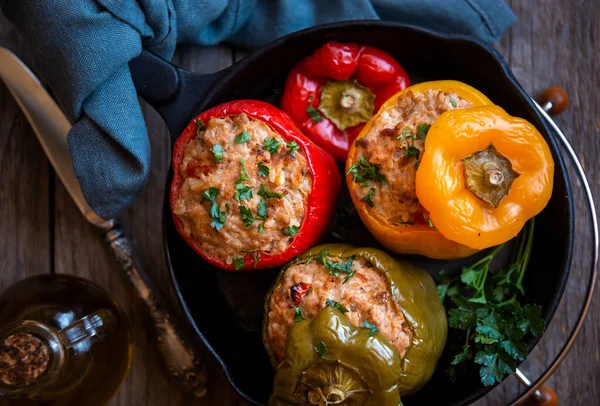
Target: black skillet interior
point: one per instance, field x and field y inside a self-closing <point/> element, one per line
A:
<point x="225" y="309"/>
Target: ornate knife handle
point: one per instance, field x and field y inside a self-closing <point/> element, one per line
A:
<point x="181" y="361"/>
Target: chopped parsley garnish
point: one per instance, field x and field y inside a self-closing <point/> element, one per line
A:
<point x="312" y="112"/>
<point x="372" y="327"/>
<point x="244" y="176"/>
<point x="452" y="102"/>
<point x="406" y="134"/>
<point x="484" y="304"/>
<point x="369" y="197"/>
<point x="262" y="192"/>
<point x="430" y="222"/>
<point x="422" y="130"/>
<point x="262" y="210"/>
<point x="242" y="192"/>
<point x="227" y="207"/>
<point x="336" y="305"/>
<point x="335" y="268"/>
<point x="299" y="317"/>
<point x="242" y="137"/>
<point x="292" y="147"/>
<point x="256" y="258"/>
<point x="200" y="126"/>
<point x="416" y="165"/>
<point x="263" y="170"/>
<point x="239" y="263"/>
<point x="321" y="349"/>
<point x="261" y="227"/>
<point x="290" y="231"/>
<point x="247" y="216"/>
<point x="271" y="145"/>
<point x="218" y="216"/>
<point x="363" y="171"/>
<point x="412" y="150"/>
<point x="217" y="151"/>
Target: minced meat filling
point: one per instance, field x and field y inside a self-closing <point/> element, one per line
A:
<point x="365" y="294"/>
<point x="388" y="156"/>
<point x="245" y="189"/>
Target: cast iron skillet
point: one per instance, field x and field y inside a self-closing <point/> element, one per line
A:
<point x="225" y="309"/>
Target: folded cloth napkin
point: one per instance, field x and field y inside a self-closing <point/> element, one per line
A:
<point x="81" y="49"/>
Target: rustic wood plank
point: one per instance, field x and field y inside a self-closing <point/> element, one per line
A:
<point x="25" y="185"/>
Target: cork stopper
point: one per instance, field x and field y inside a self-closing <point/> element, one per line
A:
<point x="23" y="359"/>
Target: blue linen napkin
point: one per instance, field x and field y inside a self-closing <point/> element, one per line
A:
<point x="81" y="49"/>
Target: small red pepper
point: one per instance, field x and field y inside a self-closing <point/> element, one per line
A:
<point x="332" y="93"/>
<point x="298" y="291"/>
<point x="324" y="173"/>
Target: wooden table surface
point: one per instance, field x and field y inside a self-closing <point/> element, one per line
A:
<point x="554" y="42"/>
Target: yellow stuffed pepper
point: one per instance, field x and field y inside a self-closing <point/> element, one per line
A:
<point x="484" y="173"/>
<point x="383" y="162"/>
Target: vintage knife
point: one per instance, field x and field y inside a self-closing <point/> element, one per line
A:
<point x="51" y="127"/>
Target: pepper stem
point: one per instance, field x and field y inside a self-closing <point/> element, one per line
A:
<point x="346" y="103"/>
<point x="331" y="383"/>
<point x="489" y="175"/>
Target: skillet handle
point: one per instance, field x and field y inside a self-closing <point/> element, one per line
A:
<point x="155" y="79"/>
<point x="178" y="95"/>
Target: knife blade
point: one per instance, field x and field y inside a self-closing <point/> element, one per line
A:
<point x="49" y="124"/>
<point x="51" y="127"/>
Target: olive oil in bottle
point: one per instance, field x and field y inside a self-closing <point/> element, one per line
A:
<point x="63" y="341"/>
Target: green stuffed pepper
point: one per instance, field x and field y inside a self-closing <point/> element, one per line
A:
<point x="371" y="289"/>
<point x="329" y="361"/>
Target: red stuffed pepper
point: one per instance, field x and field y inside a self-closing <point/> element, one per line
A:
<point x="332" y="93"/>
<point x="250" y="191"/>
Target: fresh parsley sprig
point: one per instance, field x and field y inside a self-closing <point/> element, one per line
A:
<point x="485" y="304"/>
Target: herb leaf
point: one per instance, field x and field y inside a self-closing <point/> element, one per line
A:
<point x="242" y="137"/>
<point x="262" y="192"/>
<point x="369" y="197"/>
<point x="263" y="170"/>
<point x="412" y="151"/>
<point x="363" y="171"/>
<point x="200" y="127"/>
<point x="422" y="130"/>
<point x="312" y="112"/>
<point x="239" y="263"/>
<point x="218" y="216"/>
<point x="262" y="210"/>
<point x="271" y="145"/>
<point x="244" y="176"/>
<point x="217" y="151"/>
<point x="299" y="317"/>
<point x="405" y="134"/>
<point x="242" y="192"/>
<point x="452" y="102"/>
<point x="247" y="216"/>
<point x="292" y="147"/>
<point x="372" y="327"/>
<point x="321" y="349"/>
<point x="290" y="231"/>
<point x="336" y="305"/>
<point x="256" y="256"/>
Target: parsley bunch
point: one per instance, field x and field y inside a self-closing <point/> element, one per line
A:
<point x="485" y="304"/>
